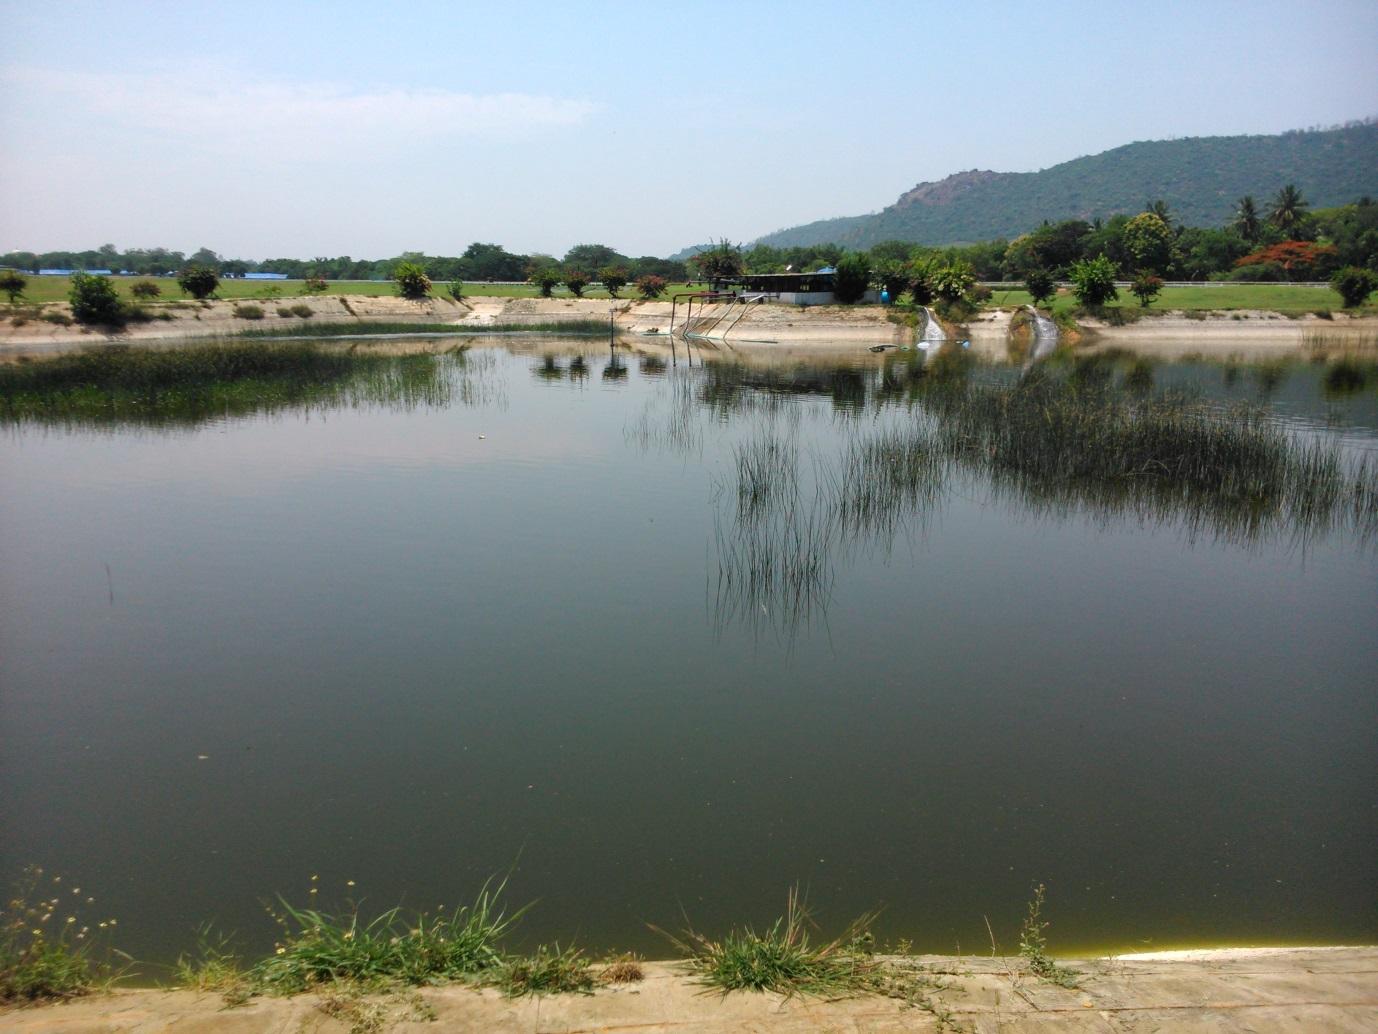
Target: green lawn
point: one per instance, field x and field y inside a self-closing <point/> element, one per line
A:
<point x="1272" y="297"/>
<point x="42" y="289"/>
<point x="1285" y="298"/>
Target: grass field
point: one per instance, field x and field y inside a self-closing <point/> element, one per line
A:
<point x="1286" y="298"/>
<point x="42" y="289"/>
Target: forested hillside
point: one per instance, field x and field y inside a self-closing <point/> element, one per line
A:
<point x="1200" y="178"/>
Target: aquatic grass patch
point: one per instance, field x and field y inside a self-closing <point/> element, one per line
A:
<point x="49" y="949"/>
<point x="782" y="958"/>
<point x="549" y="969"/>
<point x="363" y="328"/>
<point x="391" y="947"/>
<point x="108" y="385"/>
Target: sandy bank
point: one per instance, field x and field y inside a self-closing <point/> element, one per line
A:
<point x="1219" y="992"/>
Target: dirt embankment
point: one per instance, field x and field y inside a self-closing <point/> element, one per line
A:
<point x="763" y="325"/>
<point x="1209" y="992"/>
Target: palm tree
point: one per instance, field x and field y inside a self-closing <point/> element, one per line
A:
<point x="1288" y="210"/>
<point x="1246" y="219"/>
<point x="1160" y="209"/>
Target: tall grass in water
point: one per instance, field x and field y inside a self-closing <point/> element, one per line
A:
<point x="1055" y="444"/>
<point x="375" y="328"/>
<point x="151" y="386"/>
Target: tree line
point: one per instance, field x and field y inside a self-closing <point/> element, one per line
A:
<point x="479" y="262"/>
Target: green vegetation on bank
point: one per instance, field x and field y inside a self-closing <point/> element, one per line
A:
<point x="365" y="968"/>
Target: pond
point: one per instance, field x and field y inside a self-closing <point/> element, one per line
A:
<point x="643" y="633"/>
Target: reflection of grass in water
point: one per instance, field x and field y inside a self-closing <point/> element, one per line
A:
<point x="186" y="386"/>
<point x="671" y="424"/>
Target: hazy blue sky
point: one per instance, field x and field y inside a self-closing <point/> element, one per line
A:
<point x="300" y="129"/>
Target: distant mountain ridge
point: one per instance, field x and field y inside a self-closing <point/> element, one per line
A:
<point x="1200" y="178"/>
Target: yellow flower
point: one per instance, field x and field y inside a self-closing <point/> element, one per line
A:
<point x="282" y="951"/>
<point x="349" y="883"/>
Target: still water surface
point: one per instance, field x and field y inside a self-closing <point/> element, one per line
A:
<point x="415" y="645"/>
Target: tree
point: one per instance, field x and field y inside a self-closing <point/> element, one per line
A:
<point x="592" y="256"/>
<point x="614" y="278"/>
<point x="650" y="286"/>
<point x="412" y="281"/>
<point x="94" y="301"/>
<point x="145" y="290"/>
<point x="721" y="261"/>
<point x="491" y="262"/>
<point x="893" y="275"/>
<point x="1298" y="259"/>
<point x="198" y="281"/>
<point x="1354" y="285"/>
<point x="921" y="272"/>
<point x="1246" y="221"/>
<point x="852" y="278"/>
<point x="1148" y="240"/>
<point x="315" y="285"/>
<point x="1160" y="209"/>
<point x="205" y="257"/>
<point x="1040" y="285"/>
<point x="1146" y="287"/>
<point x="1288" y="210"/>
<point x="457" y="290"/>
<point x="546" y="278"/>
<point x="576" y="282"/>
<point x="953" y="279"/>
<point x="13" y="283"/>
<point x="1094" y="281"/>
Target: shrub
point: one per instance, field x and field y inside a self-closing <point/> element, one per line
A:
<point x="1093" y="281"/>
<point x="304" y="311"/>
<point x="315" y="285"/>
<point x="198" y="281"/>
<point x="145" y="289"/>
<point x="59" y="318"/>
<point x="248" y="312"/>
<point x="614" y="278"/>
<point x="952" y="281"/>
<point x="1146" y="287"/>
<point x="576" y="282"/>
<point x="1354" y="285"/>
<point x="650" y="286"/>
<point x="546" y="279"/>
<point x="852" y="278"/>
<point x="979" y="294"/>
<point x="1259" y="273"/>
<point x="457" y="290"/>
<point x="285" y="311"/>
<point x="1040" y="285"/>
<point x="412" y="281"/>
<point x="94" y="301"/>
<point x="12" y="283"/>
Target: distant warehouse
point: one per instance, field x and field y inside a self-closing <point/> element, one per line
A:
<point x="265" y="276"/>
<point x="69" y="272"/>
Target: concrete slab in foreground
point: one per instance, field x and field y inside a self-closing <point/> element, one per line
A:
<point x="1304" y="990"/>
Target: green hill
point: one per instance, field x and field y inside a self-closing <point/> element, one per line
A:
<point x="1200" y="178"/>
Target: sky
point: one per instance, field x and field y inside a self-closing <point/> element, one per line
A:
<point x="301" y="129"/>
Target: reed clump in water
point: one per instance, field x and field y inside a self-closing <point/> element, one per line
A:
<point x="151" y="386"/>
